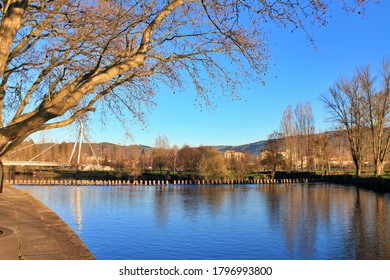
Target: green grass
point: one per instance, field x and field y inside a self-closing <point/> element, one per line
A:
<point x="386" y="175"/>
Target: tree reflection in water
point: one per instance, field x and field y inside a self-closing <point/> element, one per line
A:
<point x="313" y="215"/>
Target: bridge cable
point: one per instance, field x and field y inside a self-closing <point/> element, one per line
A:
<point x="46" y="149"/>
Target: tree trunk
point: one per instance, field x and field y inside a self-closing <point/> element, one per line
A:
<point x="273" y="172"/>
<point x="10" y="24"/>
<point x="1" y="176"/>
<point x="356" y="156"/>
<point x="378" y="168"/>
<point x="358" y="170"/>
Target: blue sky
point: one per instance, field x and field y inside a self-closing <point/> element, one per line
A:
<point x="298" y="72"/>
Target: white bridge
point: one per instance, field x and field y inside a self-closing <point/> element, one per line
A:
<point x="32" y="163"/>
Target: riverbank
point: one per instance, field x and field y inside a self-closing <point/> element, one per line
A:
<point x="152" y="182"/>
<point x="373" y="183"/>
<point x="29" y="230"/>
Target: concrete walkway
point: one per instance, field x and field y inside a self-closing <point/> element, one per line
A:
<point x="29" y="230"/>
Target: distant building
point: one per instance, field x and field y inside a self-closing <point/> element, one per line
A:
<point x="232" y="154"/>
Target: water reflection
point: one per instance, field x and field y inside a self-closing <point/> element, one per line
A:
<point x="298" y="221"/>
<point x="77" y="210"/>
<point x="313" y="217"/>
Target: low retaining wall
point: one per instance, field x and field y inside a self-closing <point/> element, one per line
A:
<point x="374" y="183"/>
<point x="150" y="182"/>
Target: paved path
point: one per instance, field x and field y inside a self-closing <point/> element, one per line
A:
<point x="29" y="230"/>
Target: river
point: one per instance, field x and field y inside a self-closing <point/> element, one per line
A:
<point x="293" y="221"/>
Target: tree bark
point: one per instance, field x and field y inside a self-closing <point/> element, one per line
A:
<point x="1" y="177"/>
<point x="358" y="169"/>
<point x="378" y="168"/>
<point x="10" y="24"/>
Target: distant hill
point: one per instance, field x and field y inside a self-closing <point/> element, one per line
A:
<point x="254" y="148"/>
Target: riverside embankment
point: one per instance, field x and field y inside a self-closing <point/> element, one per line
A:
<point x="374" y="183"/>
<point x="29" y="230"/>
<point x="153" y="182"/>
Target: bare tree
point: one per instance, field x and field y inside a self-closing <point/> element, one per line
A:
<point x="323" y="149"/>
<point x="288" y="130"/>
<point x="345" y="105"/>
<point x="174" y="155"/>
<point x="297" y="129"/>
<point x="377" y="111"/>
<point x="188" y="159"/>
<point x="272" y="156"/>
<point x="146" y="160"/>
<point x="305" y="130"/>
<point x="361" y="105"/>
<point x="162" y="142"/>
<point x="237" y="166"/>
<point x="161" y="152"/>
<point x="133" y="161"/>
<point x="60" y="59"/>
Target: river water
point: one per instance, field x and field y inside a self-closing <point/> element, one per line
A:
<point x="297" y="221"/>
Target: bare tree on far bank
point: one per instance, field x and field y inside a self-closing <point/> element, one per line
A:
<point x="297" y="130"/>
<point x="345" y="106"/>
<point x="361" y="106"/>
<point x="323" y="149"/>
<point x="161" y="152"/>
<point x="305" y="131"/>
<point x="376" y="91"/>
<point x="289" y="132"/>
<point x="272" y="156"/>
